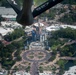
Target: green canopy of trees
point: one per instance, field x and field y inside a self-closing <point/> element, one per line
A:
<point x="65" y="33"/>
<point x="6" y="58"/>
<point x="69" y="2"/>
<point x="14" y="35"/>
<point x="69" y="18"/>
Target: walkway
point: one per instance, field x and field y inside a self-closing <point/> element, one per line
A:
<point x="46" y="57"/>
<point x="34" y="68"/>
<point x="68" y="58"/>
<point x="54" y="61"/>
<point x="68" y="43"/>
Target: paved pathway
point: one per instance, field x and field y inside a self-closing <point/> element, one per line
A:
<point x="47" y="56"/>
<point x="68" y="43"/>
<point x="68" y="58"/>
<point x="54" y="61"/>
<point x="34" y="69"/>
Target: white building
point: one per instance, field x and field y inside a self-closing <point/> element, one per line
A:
<point x="8" y="27"/>
<point x="25" y="73"/>
<point x="43" y="37"/>
<point x="4" y="31"/>
<point x="9" y="17"/>
<point x="36" y="46"/>
<point x="10" y="24"/>
<point x="28" y="29"/>
<point x="55" y="27"/>
<point x="21" y="73"/>
<point x="52" y="28"/>
<point x="38" y="24"/>
<point x="71" y="71"/>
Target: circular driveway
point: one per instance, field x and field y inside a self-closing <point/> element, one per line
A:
<point x="45" y="58"/>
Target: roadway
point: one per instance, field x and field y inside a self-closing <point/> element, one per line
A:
<point x="47" y="56"/>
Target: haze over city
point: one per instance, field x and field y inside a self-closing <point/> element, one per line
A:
<point x="46" y="47"/>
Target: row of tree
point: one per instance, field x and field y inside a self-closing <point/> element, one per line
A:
<point x="65" y="33"/>
<point x="68" y="18"/>
<point x="6" y="55"/>
<point x="68" y="50"/>
<point x="6" y="58"/>
<point x="50" y="14"/>
<point x="69" y="2"/>
<point x="59" y="38"/>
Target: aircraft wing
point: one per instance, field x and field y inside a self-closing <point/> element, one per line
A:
<point x="37" y="11"/>
<point x="15" y="5"/>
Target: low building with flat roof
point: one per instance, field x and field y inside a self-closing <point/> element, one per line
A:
<point x="8" y="14"/>
<point x="7" y="11"/>
<point x="55" y="27"/>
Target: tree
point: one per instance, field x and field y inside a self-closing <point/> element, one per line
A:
<point x="18" y="58"/>
<point x="41" y="69"/>
<point x="37" y="2"/>
<point x="28" y="69"/>
<point x="17" y="33"/>
<point x="61" y="63"/>
<point x="72" y="2"/>
<point x="54" y="69"/>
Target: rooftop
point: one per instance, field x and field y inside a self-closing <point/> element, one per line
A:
<point x="7" y="11"/>
<point x="38" y="24"/>
<point x="55" y="27"/>
<point x="8" y="26"/>
<point x="25" y="73"/>
<point x="4" y="31"/>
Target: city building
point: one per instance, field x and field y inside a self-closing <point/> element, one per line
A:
<point x="55" y="27"/>
<point x="38" y="24"/>
<point x="7" y="11"/>
<point x="10" y="24"/>
<point x="8" y="27"/>
<point x="25" y="73"/>
<point x="9" y="17"/>
<point x="36" y="46"/>
<point x="28" y="29"/>
<point x="71" y="71"/>
<point x="21" y="73"/>
<point x="4" y="31"/>
<point x="8" y="14"/>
